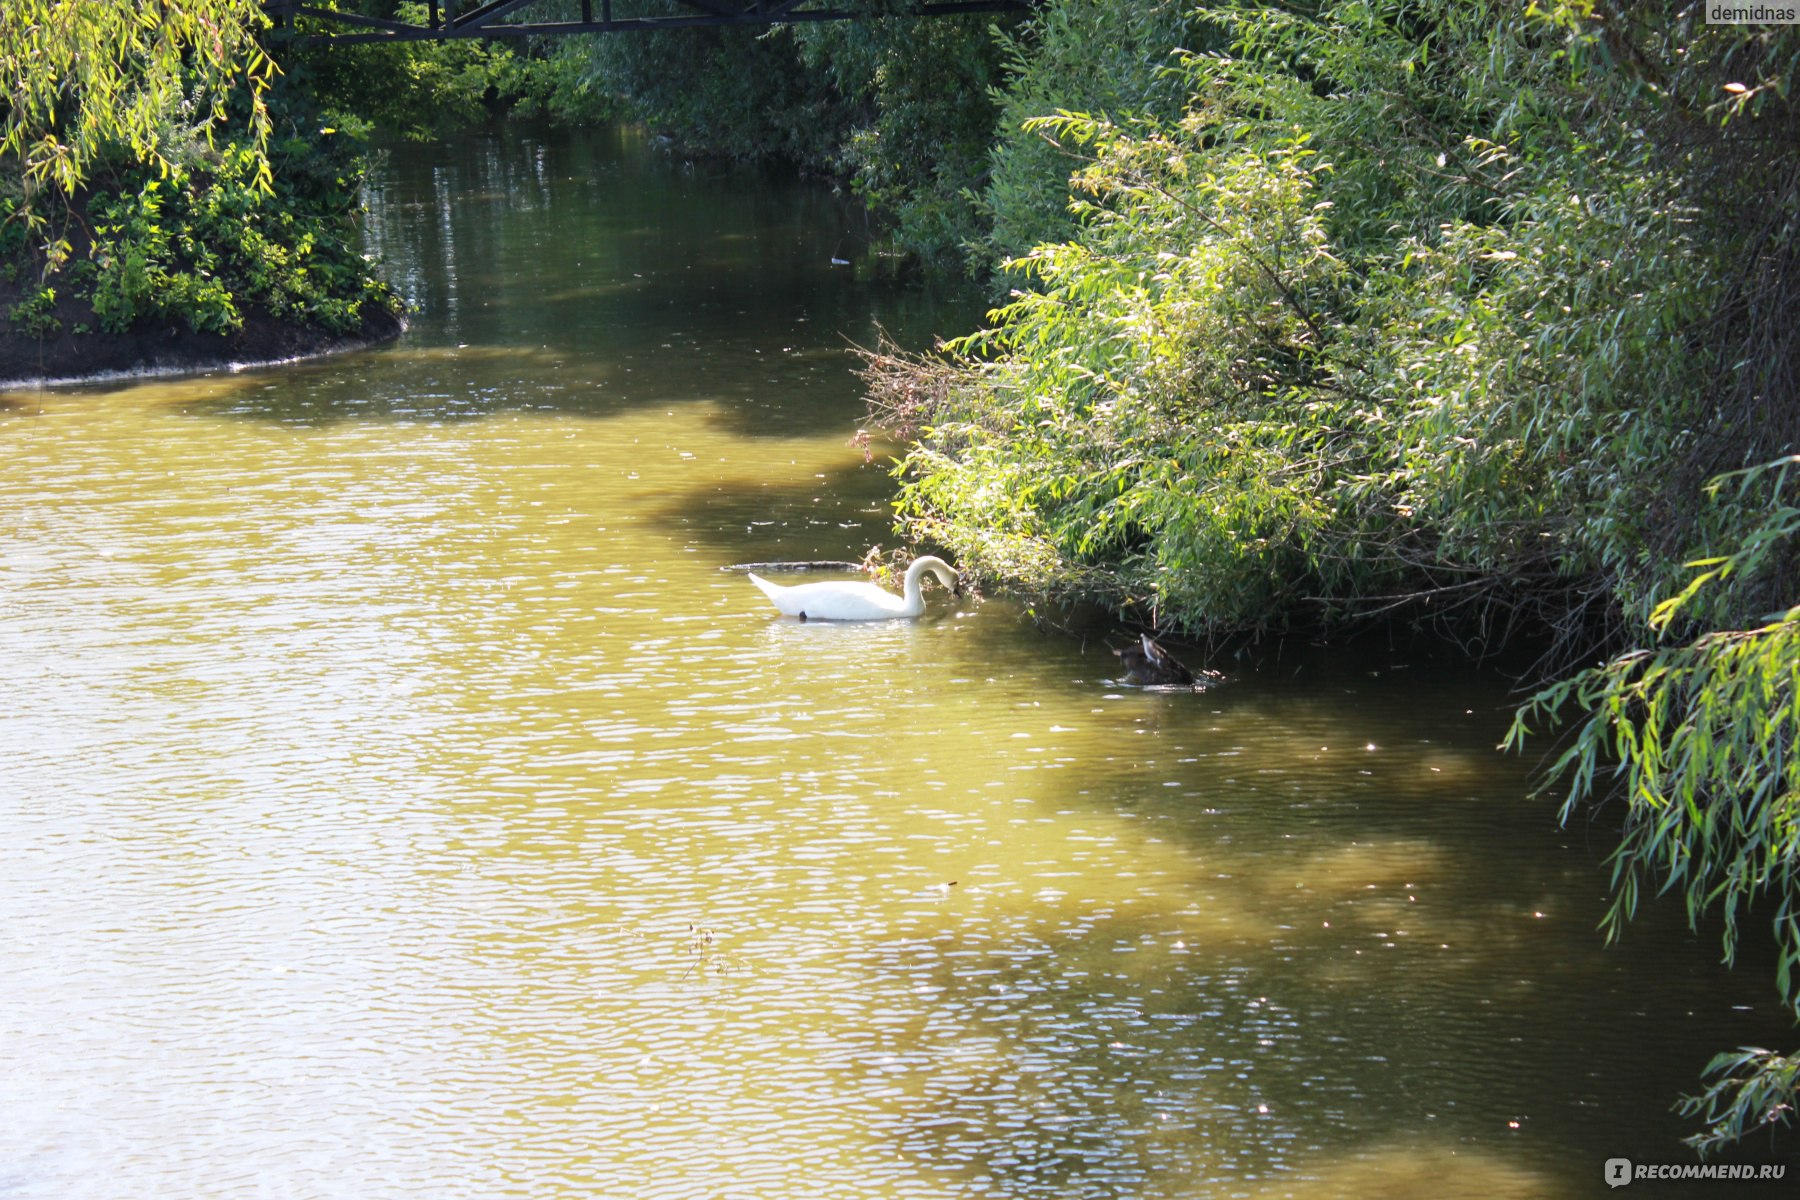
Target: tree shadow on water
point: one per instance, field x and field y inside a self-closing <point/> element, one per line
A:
<point x="756" y="398"/>
<point x="838" y="514"/>
<point x="1311" y="960"/>
<point x="1083" y="1056"/>
<point x="418" y="384"/>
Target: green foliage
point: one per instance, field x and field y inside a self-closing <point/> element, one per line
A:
<point x="1132" y="422"/>
<point x="137" y="253"/>
<point x="722" y="92"/>
<point x="14" y="228"/>
<point x="202" y="245"/>
<point x="1700" y="740"/>
<point x="83" y="81"/>
<point x="422" y="89"/>
<point x="1753" y="1089"/>
<point x="921" y="144"/>
<point x="1112" y="58"/>
<point x="1701" y="737"/>
<point x="1386" y="313"/>
<point x="35" y="315"/>
<point x="150" y="119"/>
<point x="898" y="106"/>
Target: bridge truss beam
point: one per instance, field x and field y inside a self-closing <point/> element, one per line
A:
<point x="449" y="19"/>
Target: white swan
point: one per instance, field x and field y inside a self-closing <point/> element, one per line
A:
<point x="848" y="601"/>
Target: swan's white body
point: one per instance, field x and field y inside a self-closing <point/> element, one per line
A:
<point x="848" y="601"/>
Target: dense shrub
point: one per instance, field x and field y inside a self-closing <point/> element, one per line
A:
<point x="1356" y="325"/>
<point x="201" y="245"/>
<point x="919" y="146"/>
<point x="1103" y="57"/>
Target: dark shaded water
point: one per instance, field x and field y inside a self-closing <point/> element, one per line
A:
<point x="401" y="802"/>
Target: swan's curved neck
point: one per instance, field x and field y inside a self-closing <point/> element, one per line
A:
<point x="914" y="594"/>
<point x="914" y="597"/>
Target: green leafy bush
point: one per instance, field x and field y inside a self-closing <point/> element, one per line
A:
<point x="144" y="270"/>
<point x="35" y="315"/>
<point x="203" y="245"/>
<point x="1113" y="427"/>
<point x="922" y="127"/>
<point x="1112" y="58"/>
<point x="1372" y="320"/>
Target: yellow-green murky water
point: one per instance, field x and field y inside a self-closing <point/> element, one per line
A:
<point x="399" y="801"/>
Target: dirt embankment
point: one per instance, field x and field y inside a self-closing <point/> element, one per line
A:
<point x="61" y="353"/>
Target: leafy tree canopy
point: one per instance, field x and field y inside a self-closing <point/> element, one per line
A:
<point x="82" y="83"/>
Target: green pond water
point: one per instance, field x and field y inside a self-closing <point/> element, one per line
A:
<point x="399" y="801"/>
